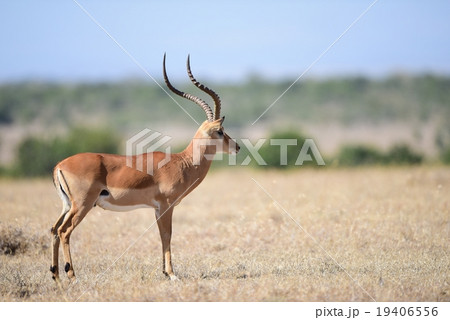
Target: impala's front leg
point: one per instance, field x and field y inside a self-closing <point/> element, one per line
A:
<point x="164" y="219"/>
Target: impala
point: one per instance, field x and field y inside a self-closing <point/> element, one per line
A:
<point x="86" y="180"/>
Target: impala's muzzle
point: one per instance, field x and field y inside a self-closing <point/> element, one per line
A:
<point x="233" y="147"/>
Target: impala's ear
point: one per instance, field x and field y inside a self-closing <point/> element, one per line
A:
<point x="222" y="120"/>
<point x="214" y="126"/>
<point x="217" y="124"/>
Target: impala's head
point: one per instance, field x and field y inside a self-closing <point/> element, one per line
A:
<point x="212" y="128"/>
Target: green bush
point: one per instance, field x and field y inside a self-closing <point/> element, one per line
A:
<point x="402" y="154"/>
<point x="358" y="155"/>
<point x="271" y="153"/>
<point x="37" y="157"/>
<point x="90" y="140"/>
<point x="445" y="156"/>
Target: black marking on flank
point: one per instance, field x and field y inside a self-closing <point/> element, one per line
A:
<point x="67" y="267"/>
<point x="104" y="193"/>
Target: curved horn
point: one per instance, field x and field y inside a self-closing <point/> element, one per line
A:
<point x="213" y="95"/>
<point x="188" y="96"/>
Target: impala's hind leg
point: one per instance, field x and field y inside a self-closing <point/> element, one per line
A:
<point x="55" y="238"/>
<point x="78" y="196"/>
<point x="74" y="217"/>
<point x="55" y="246"/>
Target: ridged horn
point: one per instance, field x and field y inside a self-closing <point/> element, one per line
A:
<point x="204" y="88"/>
<point x="198" y="101"/>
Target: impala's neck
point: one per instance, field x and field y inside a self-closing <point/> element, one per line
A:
<point x="199" y="152"/>
<point x="198" y="155"/>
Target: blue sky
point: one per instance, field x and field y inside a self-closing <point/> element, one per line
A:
<point x="227" y="40"/>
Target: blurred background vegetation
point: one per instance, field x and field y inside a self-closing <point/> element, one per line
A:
<point x="42" y="123"/>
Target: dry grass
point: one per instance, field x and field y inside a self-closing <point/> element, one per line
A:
<point x="388" y="228"/>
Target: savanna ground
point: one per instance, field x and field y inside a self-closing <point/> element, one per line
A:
<point x="388" y="228"/>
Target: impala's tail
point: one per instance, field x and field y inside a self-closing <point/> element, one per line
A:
<point x="61" y="185"/>
<point x="64" y="193"/>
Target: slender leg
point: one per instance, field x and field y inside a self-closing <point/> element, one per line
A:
<point x="164" y="218"/>
<point x="54" y="269"/>
<point x="64" y="232"/>
<point x="55" y="244"/>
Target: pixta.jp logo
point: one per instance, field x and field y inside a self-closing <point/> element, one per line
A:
<point x="140" y="148"/>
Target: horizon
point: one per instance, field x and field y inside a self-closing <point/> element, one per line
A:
<point x="241" y="81"/>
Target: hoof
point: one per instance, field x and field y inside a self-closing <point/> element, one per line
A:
<point x="71" y="275"/>
<point x="55" y="277"/>
<point x="54" y="271"/>
<point x="73" y="280"/>
<point x="173" y="277"/>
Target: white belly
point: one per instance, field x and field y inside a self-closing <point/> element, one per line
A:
<point x="104" y="204"/>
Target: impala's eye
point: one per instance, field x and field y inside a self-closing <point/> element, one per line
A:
<point x="220" y="132"/>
